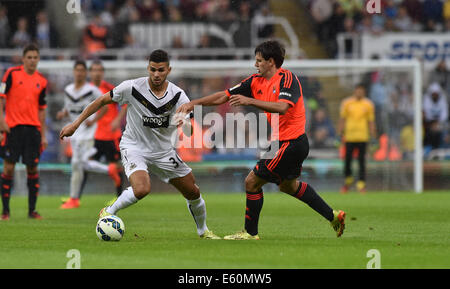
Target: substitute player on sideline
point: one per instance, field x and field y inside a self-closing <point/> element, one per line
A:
<point x="108" y="133"/>
<point x="274" y="90"/>
<point x="78" y="96"/>
<point x="146" y="142"/>
<point x="23" y="89"/>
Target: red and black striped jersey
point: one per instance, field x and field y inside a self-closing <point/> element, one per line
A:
<point x="284" y="86"/>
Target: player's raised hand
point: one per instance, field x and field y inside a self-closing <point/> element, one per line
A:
<point x="180" y="118"/>
<point x="68" y="130"/>
<point x="182" y="113"/>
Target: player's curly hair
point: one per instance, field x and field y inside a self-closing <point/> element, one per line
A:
<point x="272" y="49"/>
<point x="159" y="56"/>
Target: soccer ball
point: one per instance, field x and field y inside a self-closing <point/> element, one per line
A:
<point x="110" y="228"/>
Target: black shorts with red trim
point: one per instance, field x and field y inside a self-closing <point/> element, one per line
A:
<point x="287" y="162"/>
<point x="107" y="148"/>
<point x="23" y="141"/>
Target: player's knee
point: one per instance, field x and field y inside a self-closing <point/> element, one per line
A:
<point x="193" y="193"/>
<point x="251" y="184"/>
<point x="288" y="187"/>
<point x="140" y="182"/>
<point x="8" y="168"/>
<point x="141" y="190"/>
<point x="31" y="170"/>
<point x="8" y="171"/>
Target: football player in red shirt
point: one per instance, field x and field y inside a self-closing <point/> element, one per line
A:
<point x="274" y="90"/>
<point x="22" y="95"/>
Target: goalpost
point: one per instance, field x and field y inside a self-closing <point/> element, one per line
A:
<point x="395" y="85"/>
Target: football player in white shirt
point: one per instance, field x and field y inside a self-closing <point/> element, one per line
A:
<point x="146" y="142"/>
<point x="78" y="96"/>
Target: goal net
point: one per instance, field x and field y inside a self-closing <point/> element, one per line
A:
<point x="394" y="159"/>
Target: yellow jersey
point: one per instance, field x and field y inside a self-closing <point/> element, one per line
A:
<point x="357" y="115"/>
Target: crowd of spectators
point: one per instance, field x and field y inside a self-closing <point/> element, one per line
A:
<point x="41" y="31"/>
<point x="115" y="16"/>
<point x="336" y="16"/>
<point x="394" y="107"/>
<point x="173" y="11"/>
<point x="393" y="99"/>
<point x="105" y="23"/>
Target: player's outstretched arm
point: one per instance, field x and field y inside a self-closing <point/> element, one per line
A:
<point x="269" y="106"/>
<point x="92" y="108"/>
<point x="102" y="111"/>
<point x="209" y="100"/>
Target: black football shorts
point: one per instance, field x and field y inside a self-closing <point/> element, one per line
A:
<point x="107" y="148"/>
<point x="23" y="141"/>
<point x="287" y="162"/>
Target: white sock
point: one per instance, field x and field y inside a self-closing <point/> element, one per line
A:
<point x="76" y="180"/>
<point x="95" y="166"/>
<point x="197" y="208"/>
<point x="126" y="199"/>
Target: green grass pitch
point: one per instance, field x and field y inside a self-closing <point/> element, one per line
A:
<point x="409" y="231"/>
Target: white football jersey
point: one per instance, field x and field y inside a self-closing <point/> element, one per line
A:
<point x="149" y="118"/>
<point x="75" y="102"/>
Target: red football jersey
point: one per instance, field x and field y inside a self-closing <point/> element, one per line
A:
<point x="283" y="86"/>
<point x="24" y="95"/>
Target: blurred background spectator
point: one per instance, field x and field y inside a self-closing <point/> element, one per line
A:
<point x="321" y="11"/>
<point x="441" y="75"/>
<point x="264" y="30"/>
<point x="21" y="37"/>
<point x="95" y="35"/>
<point x="435" y="108"/>
<point x="322" y="130"/>
<point x="46" y="34"/>
<point x="4" y="27"/>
